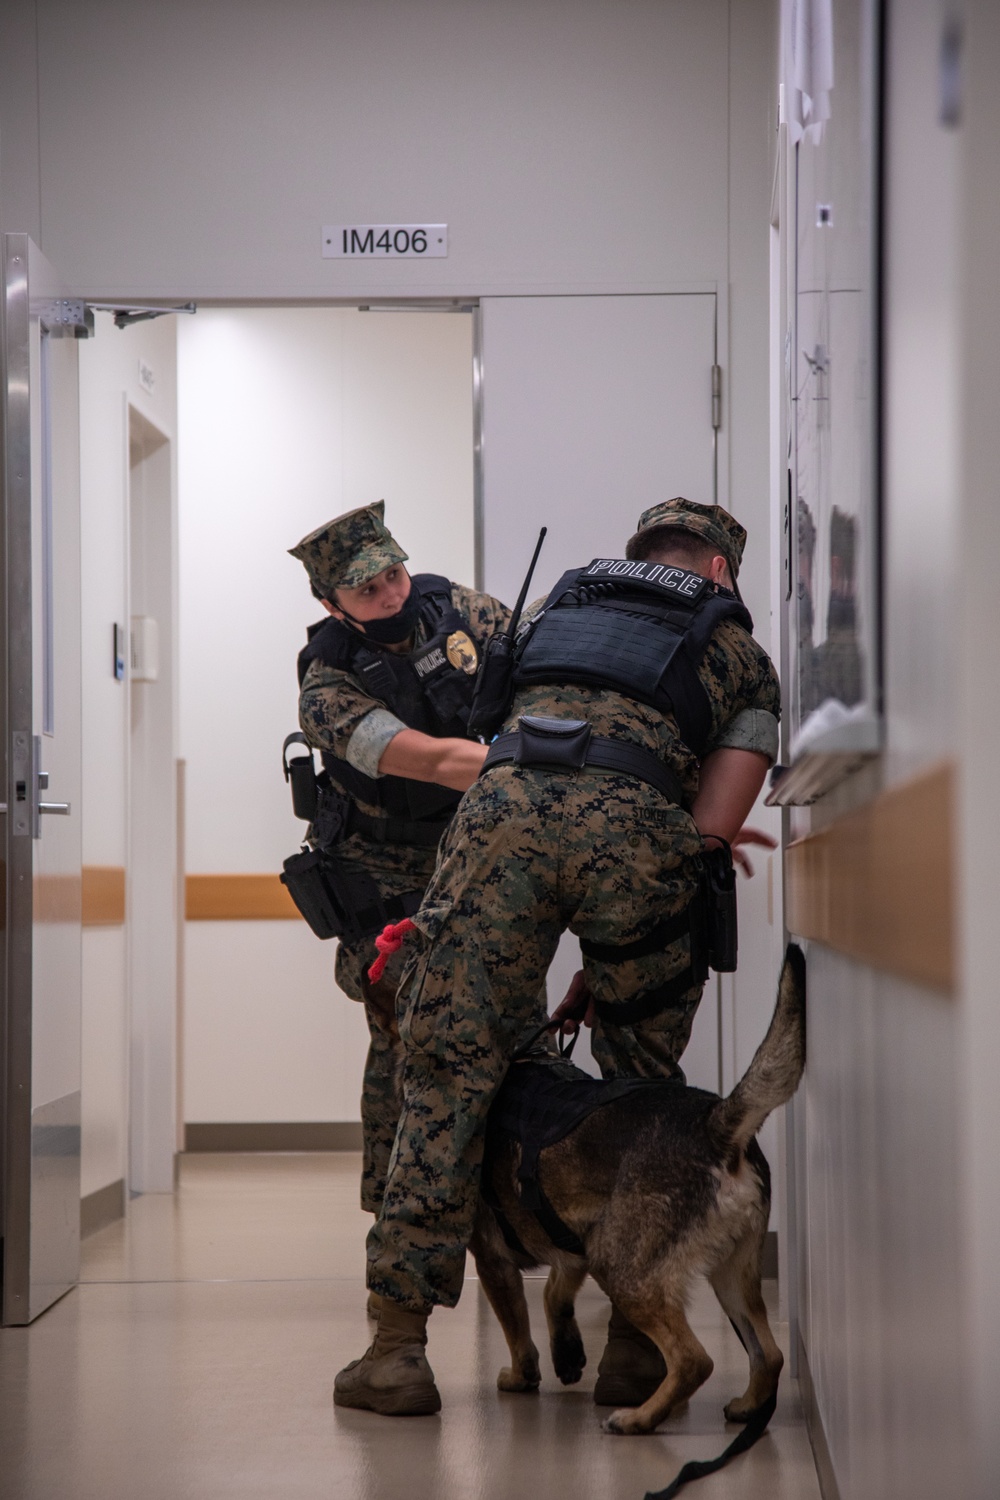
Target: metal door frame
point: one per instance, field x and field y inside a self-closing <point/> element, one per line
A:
<point x="40" y="1145"/>
<point x="17" y="706"/>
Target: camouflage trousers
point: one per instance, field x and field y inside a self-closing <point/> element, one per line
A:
<point x="528" y="854"/>
<point x="395" y="871"/>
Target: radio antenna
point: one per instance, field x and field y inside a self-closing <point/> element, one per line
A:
<point x="515" y="618"/>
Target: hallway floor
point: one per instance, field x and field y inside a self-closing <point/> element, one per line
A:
<point x="196" y="1362"/>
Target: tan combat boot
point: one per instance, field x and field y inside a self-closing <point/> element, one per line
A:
<point x="393" y="1377"/>
<point x="631" y="1366"/>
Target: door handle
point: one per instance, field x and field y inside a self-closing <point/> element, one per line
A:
<point x="29" y="780"/>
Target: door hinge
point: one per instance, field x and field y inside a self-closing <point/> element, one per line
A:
<point x="716" y="397"/>
<point x="66" y="318"/>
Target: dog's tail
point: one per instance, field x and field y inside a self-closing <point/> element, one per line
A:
<point x="774" y="1074"/>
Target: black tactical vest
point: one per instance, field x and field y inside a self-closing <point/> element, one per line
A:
<point x="422" y="687"/>
<point x="637" y="628"/>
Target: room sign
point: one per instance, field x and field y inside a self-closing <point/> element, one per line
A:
<point x="385" y="241"/>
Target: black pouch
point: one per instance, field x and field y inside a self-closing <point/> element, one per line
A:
<point x="720" y="908"/>
<point x="342" y="902"/>
<point x="305" y="876"/>
<point x="560" y="744"/>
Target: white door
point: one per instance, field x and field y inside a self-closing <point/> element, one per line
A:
<point x="40" y="665"/>
<point x="593" y="409"/>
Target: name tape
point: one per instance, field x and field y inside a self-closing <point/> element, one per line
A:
<point x="677" y="580"/>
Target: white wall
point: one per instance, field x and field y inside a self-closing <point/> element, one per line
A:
<point x="109" y="376"/>
<point x="288" y="417"/>
<point x="979" y="875"/>
<point x="888" y="1314"/>
<point x="267" y="1034"/>
<point x="567" y="143"/>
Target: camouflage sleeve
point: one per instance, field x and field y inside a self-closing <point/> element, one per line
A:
<point x="750" y="729"/>
<point x="743" y="690"/>
<point x="485" y="614"/>
<point x="337" y="716"/>
<point x="366" y="744"/>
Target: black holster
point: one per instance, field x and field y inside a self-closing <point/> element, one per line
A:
<point x="718" y="900"/>
<point x="331" y="819"/>
<point x="300" y="773"/>
<point x="709" y="921"/>
<point x="341" y="901"/>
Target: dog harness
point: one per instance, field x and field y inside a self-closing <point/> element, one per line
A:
<point x="541" y="1101"/>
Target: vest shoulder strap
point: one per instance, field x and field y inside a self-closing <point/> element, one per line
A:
<point x="436" y="587"/>
<point x="331" y="642"/>
<point x="710" y="614"/>
<point x="563" y="586"/>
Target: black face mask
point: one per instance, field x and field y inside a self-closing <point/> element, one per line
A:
<point x="390" y="630"/>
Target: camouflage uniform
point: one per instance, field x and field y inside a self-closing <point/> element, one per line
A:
<point x="396" y="870"/>
<point x="337" y="715"/>
<point x="529" y="854"/>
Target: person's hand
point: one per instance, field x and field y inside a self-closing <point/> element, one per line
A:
<point x="381" y="1001"/>
<point x="577" y="1005"/>
<point x="748" y="835"/>
<point x="420" y="757"/>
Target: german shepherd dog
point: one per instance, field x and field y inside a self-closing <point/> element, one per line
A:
<point x="658" y="1185"/>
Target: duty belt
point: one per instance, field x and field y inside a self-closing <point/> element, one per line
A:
<point x="571" y="745"/>
<point x="395" y="830"/>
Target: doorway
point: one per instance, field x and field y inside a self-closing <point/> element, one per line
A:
<point x="288" y="416"/>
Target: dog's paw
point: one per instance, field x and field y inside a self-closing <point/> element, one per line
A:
<point x="568" y="1356"/>
<point x="524" y="1381"/>
<point x="625" y="1423"/>
<point x="741" y="1409"/>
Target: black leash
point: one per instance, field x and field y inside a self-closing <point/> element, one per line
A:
<point x="699" y="1468"/>
<point x="565" y="1047"/>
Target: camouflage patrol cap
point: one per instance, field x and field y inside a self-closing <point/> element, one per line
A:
<point x="713" y="523"/>
<point x="349" y="550"/>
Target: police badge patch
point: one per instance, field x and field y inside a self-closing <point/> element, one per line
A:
<point x="462" y="652"/>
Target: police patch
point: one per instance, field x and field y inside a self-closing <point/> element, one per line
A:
<point x="462" y="652"/>
<point x="679" y="581"/>
<point x="429" y="662"/>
